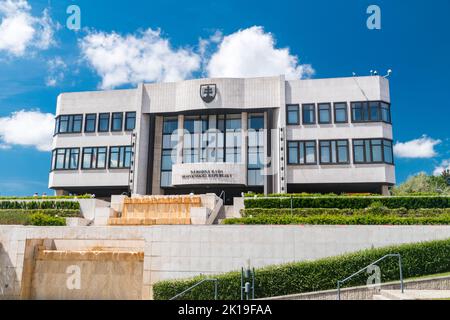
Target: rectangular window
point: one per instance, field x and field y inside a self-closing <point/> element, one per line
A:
<point x="371" y="111"/>
<point x="324" y="113"/>
<point x="90" y="122"/>
<point x="94" y="158"/>
<point x="340" y="112"/>
<point x="373" y="151"/>
<point x="309" y="114"/>
<point x="130" y="121"/>
<point x="103" y="122"/>
<point x="255" y="149"/>
<point x="302" y="152"/>
<point x="120" y="157"/>
<point x="293" y="114"/>
<point x="333" y="151"/>
<point x="117" y="121"/>
<point x="168" y="153"/>
<point x="65" y="159"/>
<point x="69" y="123"/>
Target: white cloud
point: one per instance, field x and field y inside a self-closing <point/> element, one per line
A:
<point x="56" y="69"/>
<point x="252" y="53"/>
<point x="445" y="164"/>
<point x="145" y="56"/>
<point x="27" y="128"/>
<point x="418" y="148"/>
<point x="20" y="30"/>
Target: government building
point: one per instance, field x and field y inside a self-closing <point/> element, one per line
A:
<point x="228" y="135"/>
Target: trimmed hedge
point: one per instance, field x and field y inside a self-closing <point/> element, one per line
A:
<point x="84" y="196"/>
<point x="367" y="219"/>
<point x="418" y="259"/>
<point x="378" y="211"/>
<point x="22" y="217"/>
<point x="348" y="202"/>
<point x="40" y="219"/>
<point x="315" y="195"/>
<point x="33" y="205"/>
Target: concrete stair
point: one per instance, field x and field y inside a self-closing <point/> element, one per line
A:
<point x="412" y="295"/>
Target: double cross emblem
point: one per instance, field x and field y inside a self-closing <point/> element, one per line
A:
<point x="208" y="92"/>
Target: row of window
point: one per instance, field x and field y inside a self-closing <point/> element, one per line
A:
<point x="337" y="152"/>
<point x="367" y="111"/>
<point x="103" y="122"/>
<point x="92" y="158"/>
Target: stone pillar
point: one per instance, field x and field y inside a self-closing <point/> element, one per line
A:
<point x="157" y="149"/>
<point x="385" y="190"/>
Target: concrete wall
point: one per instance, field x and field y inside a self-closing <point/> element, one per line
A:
<point x="185" y="251"/>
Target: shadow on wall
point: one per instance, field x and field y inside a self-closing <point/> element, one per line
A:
<point x="8" y="276"/>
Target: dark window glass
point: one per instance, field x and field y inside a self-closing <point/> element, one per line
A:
<point x="310" y="152"/>
<point x="103" y="122"/>
<point x="120" y="157"/>
<point x="385" y="112"/>
<point x="63" y="124"/>
<point x="333" y="151"/>
<point x="372" y="111"/>
<point x="293" y="153"/>
<point x="256" y="122"/>
<point x="324" y="113"/>
<point x="69" y="123"/>
<point x="325" y="151"/>
<point x="94" y="158"/>
<point x="388" y="155"/>
<point x="91" y="120"/>
<point x="302" y="152"/>
<point x="66" y="159"/>
<point x="77" y="123"/>
<point x="293" y="115"/>
<point x="358" y="149"/>
<point x="130" y="121"/>
<point x="340" y="112"/>
<point x="309" y="114"/>
<point x="170" y="125"/>
<point x="373" y="151"/>
<point x="116" y="123"/>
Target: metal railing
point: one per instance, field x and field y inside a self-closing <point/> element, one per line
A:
<point x="196" y="285"/>
<point x="340" y="282"/>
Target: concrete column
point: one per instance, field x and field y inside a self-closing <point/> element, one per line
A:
<point x="180" y="139"/>
<point x="385" y="190"/>
<point x="244" y="141"/>
<point x="156" y="179"/>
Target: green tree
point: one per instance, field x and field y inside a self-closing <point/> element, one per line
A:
<point x="423" y="183"/>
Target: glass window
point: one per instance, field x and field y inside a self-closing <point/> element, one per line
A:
<point x="66" y="159"/>
<point x="340" y="112"/>
<point x="130" y="121"/>
<point x="375" y="114"/>
<point x="333" y="151"/>
<point x="166" y="178"/>
<point x="94" y="158"/>
<point x="116" y="123"/>
<point x="385" y="112"/>
<point x="372" y="111"/>
<point x="388" y="155"/>
<point x="120" y="157"/>
<point x="293" y="153"/>
<point x="77" y="123"/>
<point x="358" y="150"/>
<point x="377" y="152"/>
<point x="373" y="151"/>
<point x="69" y="123"/>
<point x="256" y="121"/>
<point x="324" y="113"/>
<point x="309" y="114"/>
<point x="325" y="151"/>
<point x="103" y="122"/>
<point x="293" y="115"/>
<point x="91" y="120"/>
<point x="310" y="152"/>
<point x="302" y="152"/>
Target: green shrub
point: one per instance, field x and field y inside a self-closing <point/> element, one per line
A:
<point x="418" y="259"/>
<point x="22" y="217"/>
<point x="40" y="219"/>
<point x="84" y="196"/>
<point x="348" y="202"/>
<point x="367" y="219"/>
<point x="33" y="205"/>
<point x="306" y="212"/>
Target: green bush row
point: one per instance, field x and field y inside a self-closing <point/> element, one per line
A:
<point x="31" y="217"/>
<point x="418" y="259"/>
<point x="381" y="211"/>
<point x="32" y="205"/>
<point x="316" y="195"/>
<point x="348" y="202"/>
<point x="84" y="196"/>
<point x="324" y="219"/>
<point x="40" y="219"/>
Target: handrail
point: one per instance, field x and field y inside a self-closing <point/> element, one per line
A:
<point x="196" y="285"/>
<point x="365" y="268"/>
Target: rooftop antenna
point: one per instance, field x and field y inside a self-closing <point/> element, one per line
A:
<point x="375" y="72"/>
<point x="354" y="74"/>
<point x="389" y="72"/>
<point x="371" y="72"/>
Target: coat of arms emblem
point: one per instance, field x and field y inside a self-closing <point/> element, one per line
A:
<point x="208" y="92"/>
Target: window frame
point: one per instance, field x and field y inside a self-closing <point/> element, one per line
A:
<point x="100" y="118"/>
<point x="382" y="146"/>
<point x="368" y="110"/>
<point x="335" y="113"/>
<point x="121" y="121"/>
<point x="54" y="159"/>
<point x="125" y="125"/>
<point x="86" y="120"/>
<point x="336" y="141"/>
<point x="121" y="157"/>
<point x="313" y="113"/>
<point x="96" y="160"/>
<point x="70" y="123"/>
<point x="329" y="112"/>
<point x="299" y="146"/>
<point x="297" y="106"/>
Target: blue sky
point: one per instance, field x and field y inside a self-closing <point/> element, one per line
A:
<point x="40" y="58"/>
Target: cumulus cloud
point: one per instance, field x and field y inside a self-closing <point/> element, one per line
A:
<point x="145" y="56"/>
<point x="418" y="148"/>
<point x="56" y="69"/>
<point x="20" y="30"/>
<point x="445" y="165"/>
<point x="27" y="128"/>
<point x="252" y="53"/>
